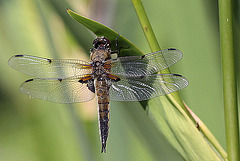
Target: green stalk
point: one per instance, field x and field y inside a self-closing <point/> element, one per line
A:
<point x="229" y="83"/>
<point x="147" y="28"/>
<point x="154" y="46"/>
<point x="173" y="97"/>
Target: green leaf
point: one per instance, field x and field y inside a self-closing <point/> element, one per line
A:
<point x="127" y="48"/>
<point x="172" y="122"/>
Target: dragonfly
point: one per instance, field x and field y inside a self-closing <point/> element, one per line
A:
<point x="130" y="78"/>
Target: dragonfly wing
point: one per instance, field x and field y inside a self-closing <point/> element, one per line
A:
<point x="49" y="68"/>
<point x="146" y="87"/>
<point x="68" y="90"/>
<point x="146" y="64"/>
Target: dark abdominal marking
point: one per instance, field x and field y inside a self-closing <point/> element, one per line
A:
<point x="49" y="60"/>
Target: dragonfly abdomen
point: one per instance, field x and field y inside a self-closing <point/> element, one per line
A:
<point x="103" y="107"/>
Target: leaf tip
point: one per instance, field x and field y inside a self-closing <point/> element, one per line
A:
<point x="69" y="11"/>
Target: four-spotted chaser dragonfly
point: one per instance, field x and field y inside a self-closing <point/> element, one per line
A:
<point x="132" y="78"/>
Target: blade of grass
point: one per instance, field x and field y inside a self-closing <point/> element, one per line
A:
<point x="99" y="29"/>
<point x="229" y="84"/>
<point x="206" y="132"/>
<point x="154" y="46"/>
<point x="174" y="97"/>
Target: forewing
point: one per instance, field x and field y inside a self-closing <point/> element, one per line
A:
<point x="147" y="87"/>
<point x="146" y="64"/>
<point x="58" y="90"/>
<point x="49" y="68"/>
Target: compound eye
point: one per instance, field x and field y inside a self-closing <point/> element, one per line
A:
<point x="101" y="41"/>
<point x="97" y="44"/>
<point x="107" y="40"/>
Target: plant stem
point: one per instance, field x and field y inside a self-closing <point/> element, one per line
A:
<point x="173" y="97"/>
<point x="206" y="132"/>
<point x="146" y="26"/>
<point x="154" y="46"/>
<point x="229" y="83"/>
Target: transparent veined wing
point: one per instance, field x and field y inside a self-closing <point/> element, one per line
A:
<point x="146" y="87"/>
<point x="68" y="90"/>
<point x="49" y="68"/>
<point x="146" y="64"/>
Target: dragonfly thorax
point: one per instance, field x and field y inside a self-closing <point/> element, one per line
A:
<point x="98" y="69"/>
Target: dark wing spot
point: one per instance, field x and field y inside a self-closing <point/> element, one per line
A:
<point x="29" y="80"/>
<point x="142" y="56"/>
<point x="172" y="49"/>
<point x="18" y="55"/>
<point x="142" y="76"/>
<point x="49" y="60"/>
<point x="118" y="79"/>
<point x="59" y="79"/>
<point x="178" y="75"/>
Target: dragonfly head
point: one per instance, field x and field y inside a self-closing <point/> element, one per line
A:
<point x="102" y="43"/>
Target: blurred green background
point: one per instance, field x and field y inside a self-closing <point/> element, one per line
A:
<point x="32" y="129"/>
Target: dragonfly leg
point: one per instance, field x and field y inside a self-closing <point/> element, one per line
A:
<point x="117" y="47"/>
<point x="117" y="51"/>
